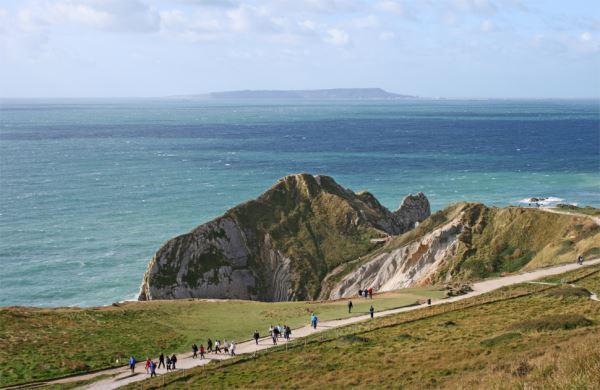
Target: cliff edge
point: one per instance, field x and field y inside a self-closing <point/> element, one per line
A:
<point x="279" y="246"/>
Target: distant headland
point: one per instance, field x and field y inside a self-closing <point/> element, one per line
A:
<point x="323" y="94"/>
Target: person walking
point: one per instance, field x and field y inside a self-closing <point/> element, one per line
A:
<point x="152" y="369"/>
<point x="428" y="301"/>
<point x="372" y="310"/>
<point x="580" y="260"/>
<point x="271" y="330"/>
<point x="147" y="366"/>
<point x="276" y="331"/>
<point x="226" y="346"/>
<point x="232" y="348"/>
<point x="274" y="337"/>
<point x="201" y="351"/>
<point x="288" y="332"/>
<point x="256" y="336"/>
<point x="217" y="346"/>
<point x="161" y="360"/>
<point x="314" y="320"/>
<point x="365" y="293"/>
<point x="370" y="292"/>
<point x="194" y="351"/>
<point x="350" y="306"/>
<point x="132" y="364"/>
<point x="360" y="292"/>
<point x="173" y="361"/>
<point x="209" y="345"/>
<point x="168" y="363"/>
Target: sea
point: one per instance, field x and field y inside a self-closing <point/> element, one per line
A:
<point x="91" y="188"/>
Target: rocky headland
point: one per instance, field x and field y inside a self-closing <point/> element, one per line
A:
<point x="307" y="237"/>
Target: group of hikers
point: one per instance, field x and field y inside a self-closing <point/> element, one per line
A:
<point x="151" y="365"/>
<point x="229" y="347"/>
<point x="367" y="292"/>
<point x="276" y="332"/>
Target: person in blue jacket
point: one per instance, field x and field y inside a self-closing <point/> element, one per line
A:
<point x="314" y="320"/>
<point x="152" y="369"/>
<point x="132" y="364"/>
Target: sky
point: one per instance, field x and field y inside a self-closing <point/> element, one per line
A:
<point x="428" y="48"/>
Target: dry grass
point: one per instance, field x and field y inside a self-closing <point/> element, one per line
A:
<point x="47" y="343"/>
<point x="468" y="345"/>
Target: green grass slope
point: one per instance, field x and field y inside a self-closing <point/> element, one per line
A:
<point x="503" y="240"/>
<point x="520" y="337"/>
<point x="38" y="344"/>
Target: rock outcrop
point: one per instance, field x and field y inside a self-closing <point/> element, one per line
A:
<point x="470" y="241"/>
<point x="279" y="246"/>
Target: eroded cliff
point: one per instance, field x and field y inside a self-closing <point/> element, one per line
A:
<point x="279" y="246"/>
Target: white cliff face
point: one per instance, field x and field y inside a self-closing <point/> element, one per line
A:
<point x="410" y="265"/>
<point x="236" y="255"/>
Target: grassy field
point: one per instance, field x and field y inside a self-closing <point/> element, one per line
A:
<point x="521" y="337"/>
<point x="38" y="344"/>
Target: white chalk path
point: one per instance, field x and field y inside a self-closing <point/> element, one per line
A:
<point x="122" y="376"/>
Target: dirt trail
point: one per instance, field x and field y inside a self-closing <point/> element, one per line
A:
<point x="555" y="211"/>
<point x="121" y="376"/>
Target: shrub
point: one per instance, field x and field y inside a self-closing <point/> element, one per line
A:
<point x="553" y="322"/>
<point x="569" y="292"/>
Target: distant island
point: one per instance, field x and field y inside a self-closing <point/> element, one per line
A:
<point x="324" y="94"/>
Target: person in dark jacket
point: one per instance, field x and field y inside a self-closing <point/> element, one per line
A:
<point x="256" y="336"/>
<point x="173" y="361"/>
<point x="152" y="369"/>
<point x="209" y="345"/>
<point x="161" y="360"/>
<point x="372" y="310"/>
<point x="350" y="306"/>
<point x="194" y="351"/>
<point x="132" y="364"/>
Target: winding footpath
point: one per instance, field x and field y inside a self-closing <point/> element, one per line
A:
<point x="117" y="377"/>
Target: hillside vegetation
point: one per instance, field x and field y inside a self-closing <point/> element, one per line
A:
<point x="498" y="240"/>
<point x="522" y="337"/>
<point x="279" y="246"/>
<point x="38" y="344"/>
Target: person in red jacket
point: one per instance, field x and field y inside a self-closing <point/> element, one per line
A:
<point x="371" y="292"/>
<point x="201" y="351"/>
<point x="148" y="365"/>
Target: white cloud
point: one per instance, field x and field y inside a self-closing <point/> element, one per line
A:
<point x="586" y="36"/>
<point x="481" y="7"/>
<point x="252" y="19"/>
<point x="104" y="15"/>
<point x="394" y="7"/>
<point x="369" y="21"/>
<point x="386" y="36"/>
<point x="488" y="26"/>
<point x="337" y="37"/>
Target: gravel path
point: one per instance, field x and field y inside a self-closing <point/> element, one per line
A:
<point x="121" y="376"/>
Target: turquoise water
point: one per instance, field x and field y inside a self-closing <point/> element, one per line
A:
<point x="91" y="188"/>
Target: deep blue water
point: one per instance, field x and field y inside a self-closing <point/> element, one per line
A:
<point x="89" y="189"/>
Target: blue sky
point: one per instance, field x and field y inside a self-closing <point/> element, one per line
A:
<point x="433" y="48"/>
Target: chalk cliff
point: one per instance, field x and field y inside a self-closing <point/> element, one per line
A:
<point x="279" y="246"/>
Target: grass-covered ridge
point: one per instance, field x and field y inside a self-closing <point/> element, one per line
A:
<point x="494" y="241"/>
<point x="280" y="246"/>
<point x="38" y="344"/>
<point x="588" y="210"/>
<point x="515" y="338"/>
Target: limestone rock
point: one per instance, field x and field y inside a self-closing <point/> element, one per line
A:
<point x="279" y="246"/>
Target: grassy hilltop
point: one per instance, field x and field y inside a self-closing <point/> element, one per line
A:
<point x="527" y="336"/>
<point x="39" y="344"/>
